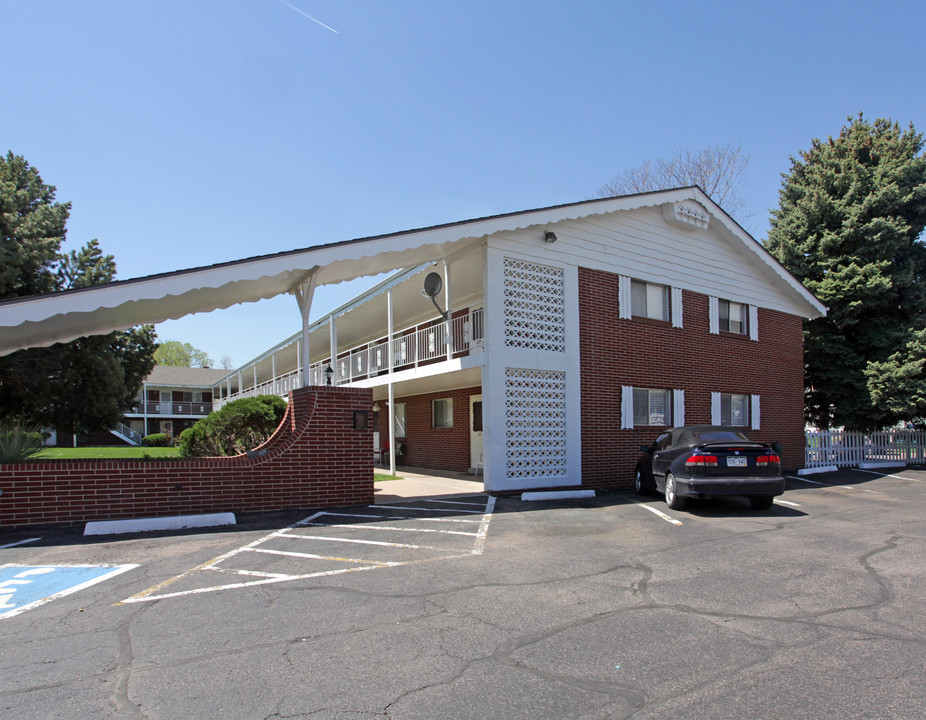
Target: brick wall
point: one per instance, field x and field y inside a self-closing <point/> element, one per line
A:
<point x="314" y="459"/>
<point x="437" y="448"/>
<point x="652" y="354"/>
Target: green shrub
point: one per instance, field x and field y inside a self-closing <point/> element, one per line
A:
<point x="18" y="443"/>
<point x="237" y="427"/>
<point x="156" y="440"/>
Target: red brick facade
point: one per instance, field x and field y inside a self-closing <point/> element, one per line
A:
<point x="314" y="459"/>
<point x="430" y="447"/>
<point x="652" y="354"/>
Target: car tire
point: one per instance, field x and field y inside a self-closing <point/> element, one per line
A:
<point x="761" y="502"/>
<point x="672" y="498"/>
<point x="640" y="483"/>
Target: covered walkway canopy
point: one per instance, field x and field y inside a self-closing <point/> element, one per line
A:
<point x="61" y="317"/>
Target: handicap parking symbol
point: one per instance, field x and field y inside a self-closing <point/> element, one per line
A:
<point x="23" y="587"/>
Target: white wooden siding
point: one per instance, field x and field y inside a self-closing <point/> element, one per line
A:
<point x="640" y="244"/>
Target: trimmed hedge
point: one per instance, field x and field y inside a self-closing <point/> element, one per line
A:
<point x="156" y="440"/>
<point x="236" y="428"/>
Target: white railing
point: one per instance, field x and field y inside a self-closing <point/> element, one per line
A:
<point x="412" y="348"/>
<point x="846" y="448"/>
<point x="128" y="433"/>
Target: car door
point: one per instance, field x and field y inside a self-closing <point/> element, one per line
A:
<point x="660" y="458"/>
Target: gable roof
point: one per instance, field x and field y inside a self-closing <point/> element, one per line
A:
<point x="39" y="321"/>
<point x="184" y="376"/>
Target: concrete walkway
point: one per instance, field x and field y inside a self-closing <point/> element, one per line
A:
<point x="425" y="483"/>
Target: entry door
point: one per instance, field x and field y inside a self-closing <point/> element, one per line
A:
<point x="475" y="429"/>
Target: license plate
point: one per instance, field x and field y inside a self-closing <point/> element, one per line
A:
<point x="736" y="462"/>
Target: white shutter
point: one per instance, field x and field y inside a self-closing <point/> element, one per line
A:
<point x="624" y="310"/>
<point x="754" y="412"/>
<point x="753" y="323"/>
<point x="677" y="307"/>
<point x="715" y="408"/>
<point x="678" y="408"/>
<point x="626" y="407"/>
<point x="713" y="313"/>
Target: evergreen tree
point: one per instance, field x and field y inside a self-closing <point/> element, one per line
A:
<point x="849" y="223"/>
<point x="84" y="385"/>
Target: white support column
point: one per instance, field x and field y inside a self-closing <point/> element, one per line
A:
<point x="240" y="383"/>
<point x="333" y="334"/>
<point x="254" y="373"/>
<point x="304" y="294"/>
<point x="449" y="330"/>
<point x="273" y="374"/>
<point x="390" y="353"/>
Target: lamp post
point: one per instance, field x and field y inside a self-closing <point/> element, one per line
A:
<point x="328" y="373"/>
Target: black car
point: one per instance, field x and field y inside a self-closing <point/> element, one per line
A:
<point x="707" y="461"/>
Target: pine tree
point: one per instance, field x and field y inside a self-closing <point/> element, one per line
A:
<point x="849" y="224"/>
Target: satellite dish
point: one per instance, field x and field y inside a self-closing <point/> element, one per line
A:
<point x="432" y="285"/>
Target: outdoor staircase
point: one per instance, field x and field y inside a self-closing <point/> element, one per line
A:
<point x="124" y="432"/>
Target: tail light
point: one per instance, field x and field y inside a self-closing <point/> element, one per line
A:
<point x="699" y="460"/>
<point x="765" y="460"/>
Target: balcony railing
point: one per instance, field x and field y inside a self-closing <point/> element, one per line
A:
<point x="173" y="408"/>
<point x="412" y="348"/>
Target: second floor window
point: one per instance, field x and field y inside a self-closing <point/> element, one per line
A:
<point x="649" y="300"/>
<point x="732" y="316"/>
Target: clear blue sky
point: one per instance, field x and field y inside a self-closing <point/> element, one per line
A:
<point x="187" y="132"/>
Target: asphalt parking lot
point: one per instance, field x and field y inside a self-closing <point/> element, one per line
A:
<point x="477" y="607"/>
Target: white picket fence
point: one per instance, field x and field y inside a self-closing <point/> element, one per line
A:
<point x="851" y="449"/>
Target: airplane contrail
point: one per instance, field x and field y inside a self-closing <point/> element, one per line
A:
<point x="292" y="7"/>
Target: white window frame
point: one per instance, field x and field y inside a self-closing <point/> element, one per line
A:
<point x="651" y="292"/>
<point x="726" y="322"/>
<point x="718" y="400"/>
<point x="650" y="413"/>
<point x="447" y="414"/>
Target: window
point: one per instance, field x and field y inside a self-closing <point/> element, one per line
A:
<point x="442" y="413"/>
<point x="649" y="301"/>
<point x="732" y="316"/>
<point x="734" y="410"/>
<point x="650" y="407"/>
<point x="399" y="417"/>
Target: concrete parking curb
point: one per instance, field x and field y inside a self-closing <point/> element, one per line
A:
<point x="176" y="522"/>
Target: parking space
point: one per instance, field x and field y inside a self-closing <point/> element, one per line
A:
<point x="333" y="542"/>
<point x="471" y="607"/>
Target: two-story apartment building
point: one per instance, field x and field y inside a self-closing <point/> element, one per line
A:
<point x="171" y="400"/>
<point x="561" y="339"/>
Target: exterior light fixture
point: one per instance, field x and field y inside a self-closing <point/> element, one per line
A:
<point x="549" y="236"/>
<point x="328" y="373"/>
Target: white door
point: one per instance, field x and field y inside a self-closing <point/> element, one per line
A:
<point x="475" y="430"/>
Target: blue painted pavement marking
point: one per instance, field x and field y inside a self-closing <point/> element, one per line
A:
<point x="23" y="587"/>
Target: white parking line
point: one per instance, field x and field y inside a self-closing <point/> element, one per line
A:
<point x="898" y="477"/>
<point x="21" y="542"/>
<point x="396" y="529"/>
<point x="424" y="509"/>
<point x="786" y="502"/>
<point x="842" y="487"/>
<point x="661" y="514"/>
<point x="357" y="541"/>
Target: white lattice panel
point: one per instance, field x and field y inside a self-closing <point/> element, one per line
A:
<point x="535" y="423"/>
<point x="534" y="306"/>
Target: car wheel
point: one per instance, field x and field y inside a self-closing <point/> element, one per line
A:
<point x="672" y="499"/>
<point x="638" y="482"/>
<point x="761" y="502"/>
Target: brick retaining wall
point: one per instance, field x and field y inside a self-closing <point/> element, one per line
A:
<point x="314" y="459"/>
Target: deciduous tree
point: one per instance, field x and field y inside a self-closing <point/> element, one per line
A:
<point x="181" y="354"/>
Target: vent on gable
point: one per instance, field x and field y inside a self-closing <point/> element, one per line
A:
<point x="687" y="213"/>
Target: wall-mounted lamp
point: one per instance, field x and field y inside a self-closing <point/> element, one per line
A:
<point x="549" y="236"/>
<point x="328" y="373"/>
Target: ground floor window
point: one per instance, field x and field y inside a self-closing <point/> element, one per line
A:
<point x="400" y="420"/>
<point x="651" y="407"/>
<point x="734" y="409"/>
<point x="442" y="413"/>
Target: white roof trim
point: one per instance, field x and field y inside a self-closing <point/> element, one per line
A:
<point x="61" y="317"/>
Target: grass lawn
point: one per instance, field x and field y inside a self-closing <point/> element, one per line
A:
<point x="380" y="477"/>
<point x="121" y="452"/>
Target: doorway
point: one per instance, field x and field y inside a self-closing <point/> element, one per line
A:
<point x="475" y="431"/>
